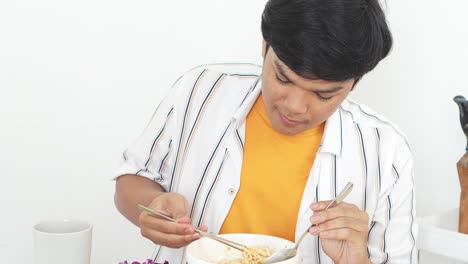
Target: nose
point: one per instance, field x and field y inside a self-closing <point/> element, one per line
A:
<point x="296" y="102"/>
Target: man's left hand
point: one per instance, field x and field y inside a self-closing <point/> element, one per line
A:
<point x="342" y="230"/>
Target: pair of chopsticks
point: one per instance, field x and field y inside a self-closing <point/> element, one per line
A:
<point x="227" y="242"/>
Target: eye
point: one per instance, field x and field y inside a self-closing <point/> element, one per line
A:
<point x="280" y="80"/>
<point x="323" y="98"/>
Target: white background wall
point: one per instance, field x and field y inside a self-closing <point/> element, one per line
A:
<point x="79" y="80"/>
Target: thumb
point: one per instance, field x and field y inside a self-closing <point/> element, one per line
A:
<point x="183" y="220"/>
<point x="179" y="214"/>
<point x="179" y="209"/>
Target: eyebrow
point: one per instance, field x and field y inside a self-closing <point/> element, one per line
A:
<point x="327" y="91"/>
<point x="331" y="90"/>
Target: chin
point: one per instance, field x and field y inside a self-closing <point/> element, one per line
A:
<point x="286" y="131"/>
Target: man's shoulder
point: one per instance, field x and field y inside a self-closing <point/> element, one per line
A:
<point x="214" y="87"/>
<point x="227" y="75"/>
<point x="229" y="69"/>
<point x="368" y="119"/>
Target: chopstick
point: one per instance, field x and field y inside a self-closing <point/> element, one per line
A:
<point x="227" y="242"/>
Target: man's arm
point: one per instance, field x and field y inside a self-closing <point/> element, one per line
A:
<point x="131" y="190"/>
<point x="394" y="228"/>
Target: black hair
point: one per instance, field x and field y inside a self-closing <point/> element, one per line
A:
<point x="333" y="40"/>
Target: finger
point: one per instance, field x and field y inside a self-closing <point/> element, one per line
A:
<point x="344" y="234"/>
<point x="357" y="225"/>
<point x="320" y="205"/>
<point x="165" y="226"/>
<point x="203" y="228"/>
<point x="350" y="206"/>
<point x="354" y="211"/>
<point x="180" y="216"/>
<point x="183" y="220"/>
<point x="339" y="211"/>
<point x="169" y="240"/>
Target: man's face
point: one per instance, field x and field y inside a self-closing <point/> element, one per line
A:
<point x="295" y="104"/>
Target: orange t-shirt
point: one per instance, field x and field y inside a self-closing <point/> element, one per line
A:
<point x="275" y="169"/>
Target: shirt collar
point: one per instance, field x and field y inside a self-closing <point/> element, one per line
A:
<point x="248" y="101"/>
<point x="332" y="140"/>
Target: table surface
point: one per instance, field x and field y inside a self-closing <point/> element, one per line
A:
<point x="439" y="234"/>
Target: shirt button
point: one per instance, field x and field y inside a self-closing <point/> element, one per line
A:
<point x="231" y="191"/>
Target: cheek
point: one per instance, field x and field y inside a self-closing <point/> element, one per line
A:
<point x="272" y="95"/>
<point x="277" y="93"/>
<point x="319" y="111"/>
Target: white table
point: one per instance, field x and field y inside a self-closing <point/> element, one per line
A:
<point x="438" y="234"/>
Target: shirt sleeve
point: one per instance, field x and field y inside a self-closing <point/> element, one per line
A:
<point x="151" y="154"/>
<point x="393" y="228"/>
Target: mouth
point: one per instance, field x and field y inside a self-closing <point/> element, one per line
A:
<point x="289" y="122"/>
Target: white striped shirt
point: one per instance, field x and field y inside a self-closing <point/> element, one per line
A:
<point x="194" y="145"/>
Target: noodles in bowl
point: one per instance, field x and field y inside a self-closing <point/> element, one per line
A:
<point x="251" y="255"/>
<point x="259" y="247"/>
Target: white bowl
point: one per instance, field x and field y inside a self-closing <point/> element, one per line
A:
<point x="208" y="251"/>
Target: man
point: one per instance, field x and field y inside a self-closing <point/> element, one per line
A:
<point x="265" y="153"/>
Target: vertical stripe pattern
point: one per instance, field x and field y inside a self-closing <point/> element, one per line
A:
<point x="364" y="166"/>
<point x="207" y="167"/>
<point x="317" y="238"/>
<point x="155" y="143"/>
<point x="182" y="131"/>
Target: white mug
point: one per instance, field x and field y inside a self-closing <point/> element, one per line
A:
<point x="62" y="241"/>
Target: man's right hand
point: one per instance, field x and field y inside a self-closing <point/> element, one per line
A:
<point x="164" y="232"/>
